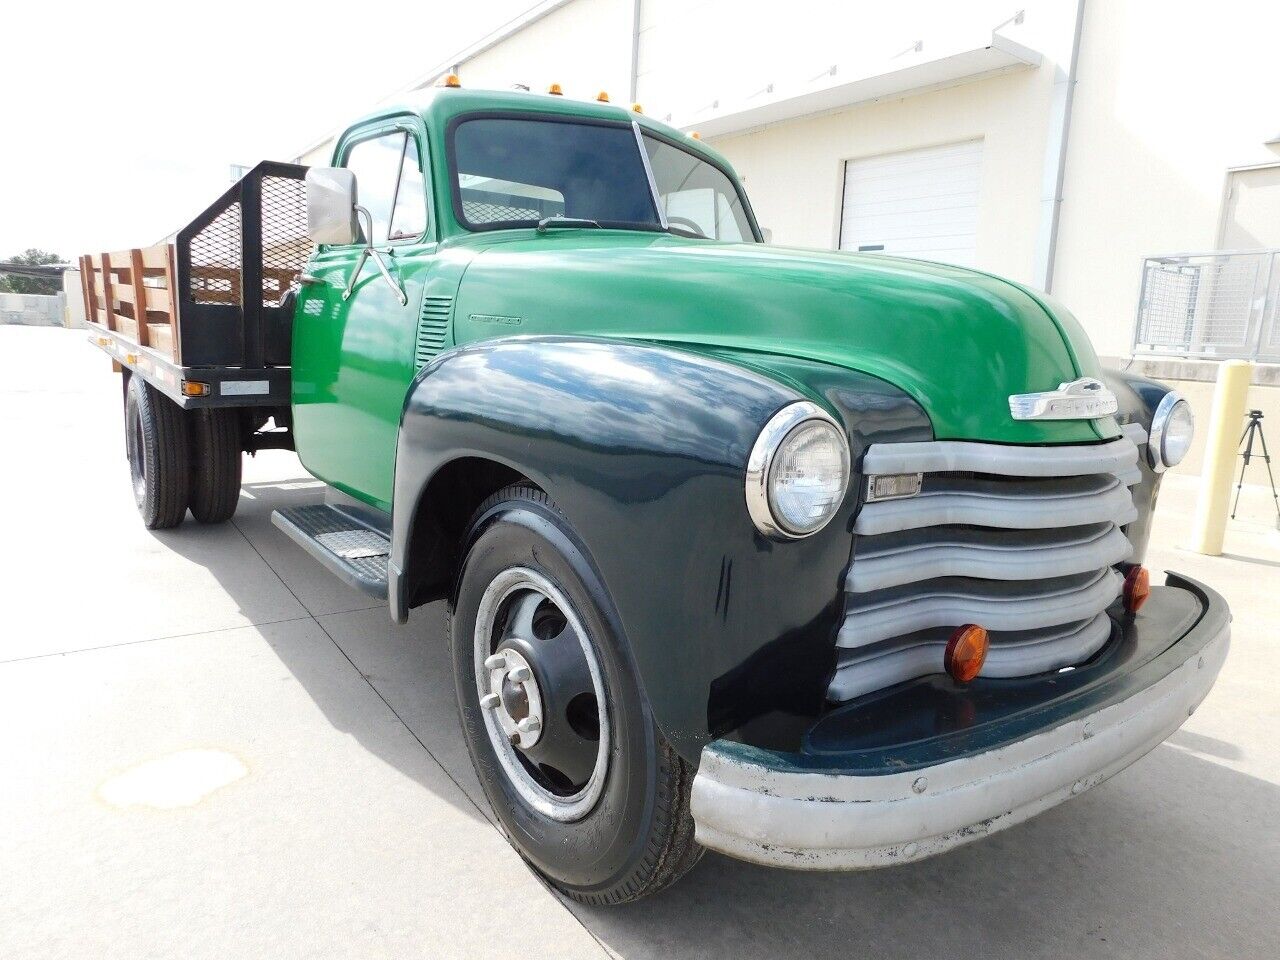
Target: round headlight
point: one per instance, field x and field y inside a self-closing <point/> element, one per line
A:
<point x="1172" y="429"/>
<point x="798" y="472"/>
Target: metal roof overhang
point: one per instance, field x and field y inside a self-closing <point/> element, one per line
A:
<point x="957" y="65"/>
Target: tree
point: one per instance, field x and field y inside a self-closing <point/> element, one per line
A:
<point x="12" y="283"/>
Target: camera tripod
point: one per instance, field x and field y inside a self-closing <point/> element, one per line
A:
<point x="1252" y="431"/>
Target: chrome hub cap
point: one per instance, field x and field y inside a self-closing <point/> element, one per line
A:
<point x="514" y="697"/>
<point x="542" y="694"/>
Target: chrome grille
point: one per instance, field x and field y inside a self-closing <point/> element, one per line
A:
<point x="1022" y="540"/>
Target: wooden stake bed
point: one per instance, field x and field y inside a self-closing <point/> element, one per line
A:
<point x="212" y="308"/>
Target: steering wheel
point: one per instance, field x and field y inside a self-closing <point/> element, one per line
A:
<point x="687" y="224"/>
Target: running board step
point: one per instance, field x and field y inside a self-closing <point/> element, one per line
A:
<point x="354" y="553"/>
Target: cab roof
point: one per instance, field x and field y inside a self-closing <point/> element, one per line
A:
<point x="439" y="105"/>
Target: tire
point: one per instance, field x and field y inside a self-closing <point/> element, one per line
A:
<point x="215" y="464"/>
<point x="629" y="832"/>
<point x="156" y="443"/>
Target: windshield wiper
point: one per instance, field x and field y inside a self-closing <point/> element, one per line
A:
<point x="546" y="223"/>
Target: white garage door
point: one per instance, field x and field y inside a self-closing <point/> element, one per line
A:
<point x="920" y="203"/>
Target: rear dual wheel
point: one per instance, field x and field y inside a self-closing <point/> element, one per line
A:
<point x="577" y="771"/>
<point x="180" y="459"/>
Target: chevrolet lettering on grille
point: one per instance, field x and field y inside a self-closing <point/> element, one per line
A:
<point x="1083" y="399"/>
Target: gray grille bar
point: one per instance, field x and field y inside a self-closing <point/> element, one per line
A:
<point x="990" y="554"/>
<point x="1117" y="457"/>
<point x="1020" y="507"/>
<point x="1016" y="656"/>
<point x="997" y="605"/>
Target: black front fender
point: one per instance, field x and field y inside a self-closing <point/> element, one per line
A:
<point x="643" y="448"/>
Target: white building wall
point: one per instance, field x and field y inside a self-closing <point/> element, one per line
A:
<point x="694" y="55"/>
<point x="1169" y="96"/>
<point x="585" y="46"/>
<point x="794" y="171"/>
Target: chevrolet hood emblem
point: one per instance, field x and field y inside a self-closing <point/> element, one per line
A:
<point x="1083" y="399"/>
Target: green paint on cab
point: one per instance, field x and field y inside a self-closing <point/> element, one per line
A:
<point x="958" y="341"/>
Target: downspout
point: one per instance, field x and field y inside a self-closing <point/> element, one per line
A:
<point x="635" y="51"/>
<point x="1055" y="162"/>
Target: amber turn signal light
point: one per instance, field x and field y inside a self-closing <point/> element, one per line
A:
<point x="603" y="96"/>
<point x="451" y="81"/>
<point x="555" y="90"/>
<point x="1137" y="587"/>
<point x="966" y="652"/>
<point x="193" y="388"/>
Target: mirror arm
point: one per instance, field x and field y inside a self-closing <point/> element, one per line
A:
<point x="365" y="254"/>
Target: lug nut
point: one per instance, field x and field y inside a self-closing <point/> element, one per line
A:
<point x="490" y="701"/>
<point x="495" y="662"/>
<point x="520" y="675"/>
<point x="529" y="725"/>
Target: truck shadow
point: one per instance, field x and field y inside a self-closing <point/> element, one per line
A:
<point x="1178" y="856"/>
<point x="406" y="667"/>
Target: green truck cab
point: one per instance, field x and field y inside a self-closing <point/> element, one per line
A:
<point x="821" y="560"/>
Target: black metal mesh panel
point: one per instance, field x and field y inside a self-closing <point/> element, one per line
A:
<point x="477" y="211"/>
<point x="215" y="259"/>
<point x="285" y="244"/>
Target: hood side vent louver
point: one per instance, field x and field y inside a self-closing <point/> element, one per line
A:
<point x="433" y="326"/>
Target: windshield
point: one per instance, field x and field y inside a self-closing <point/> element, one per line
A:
<point x="697" y="198"/>
<point x="516" y="172"/>
<point x="513" y="172"/>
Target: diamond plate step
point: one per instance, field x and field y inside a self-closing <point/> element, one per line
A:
<point x="355" y="554"/>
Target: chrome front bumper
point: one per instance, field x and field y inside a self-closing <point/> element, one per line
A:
<point x="783" y="814"/>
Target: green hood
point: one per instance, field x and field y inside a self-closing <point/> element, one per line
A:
<point x="958" y="341"/>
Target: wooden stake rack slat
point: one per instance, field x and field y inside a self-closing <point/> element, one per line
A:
<point x="133" y="293"/>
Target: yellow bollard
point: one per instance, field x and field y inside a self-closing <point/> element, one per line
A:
<point x="1225" y="419"/>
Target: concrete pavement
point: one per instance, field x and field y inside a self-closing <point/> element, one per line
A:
<point x="213" y="748"/>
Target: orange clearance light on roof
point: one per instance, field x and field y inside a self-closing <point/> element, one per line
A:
<point x="696" y="135"/>
<point x="451" y="81"/>
<point x="603" y="96"/>
<point x="635" y="107"/>
<point x="193" y="388"/>
<point x="966" y="652"/>
<point x="1137" y="587"/>
<point x="555" y="90"/>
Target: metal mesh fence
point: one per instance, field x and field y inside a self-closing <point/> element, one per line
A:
<point x="1209" y="304"/>
<point x="215" y="259"/>
<point x="285" y="245"/>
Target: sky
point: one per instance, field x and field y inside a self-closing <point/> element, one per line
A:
<point x="121" y="121"/>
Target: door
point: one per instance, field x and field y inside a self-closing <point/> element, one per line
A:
<point x="919" y="203"/>
<point x="353" y="357"/>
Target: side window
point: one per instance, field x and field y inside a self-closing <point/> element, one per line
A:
<point x="376" y="164"/>
<point x="409" y="217"/>
<point x="390" y="185"/>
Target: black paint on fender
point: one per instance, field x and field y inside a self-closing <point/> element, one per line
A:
<point x="644" y="448"/>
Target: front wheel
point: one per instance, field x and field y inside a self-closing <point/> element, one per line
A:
<point x="585" y="785"/>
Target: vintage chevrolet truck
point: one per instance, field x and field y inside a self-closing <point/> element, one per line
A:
<point x="821" y="560"/>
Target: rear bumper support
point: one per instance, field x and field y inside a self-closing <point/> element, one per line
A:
<point x="805" y="819"/>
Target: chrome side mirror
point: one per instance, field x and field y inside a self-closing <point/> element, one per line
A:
<point x="331" y="205"/>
